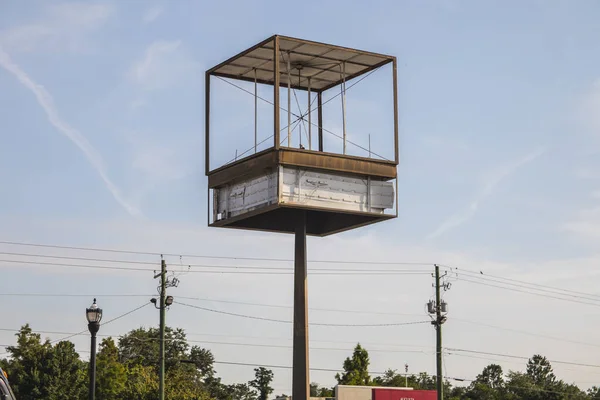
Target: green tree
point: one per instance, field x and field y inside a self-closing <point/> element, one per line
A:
<point x="594" y="393"/>
<point x="111" y="374"/>
<point x="262" y="382"/>
<point x="540" y="371"/>
<point x="356" y="369"/>
<point x="141" y="346"/>
<point x="65" y="373"/>
<point x="28" y="365"/>
<point x="317" y="391"/>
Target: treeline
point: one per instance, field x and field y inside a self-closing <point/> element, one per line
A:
<point x="128" y="370"/>
<point x="125" y="370"/>
<point x="538" y="382"/>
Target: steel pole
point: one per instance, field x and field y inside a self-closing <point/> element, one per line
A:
<point x="93" y="327"/>
<point x="300" y="381"/>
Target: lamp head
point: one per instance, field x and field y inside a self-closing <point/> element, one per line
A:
<point x="93" y="314"/>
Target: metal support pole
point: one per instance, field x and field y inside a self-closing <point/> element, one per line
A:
<point x="320" y="119"/>
<point x="438" y="327"/>
<point x="93" y="327"/>
<point x="343" y="87"/>
<point x="207" y="124"/>
<point x="276" y="113"/>
<point x="300" y="379"/>
<point x="255" y="112"/>
<point x="163" y="289"/>
<point x="309" y="120"/>
<point x="289" y="107"/>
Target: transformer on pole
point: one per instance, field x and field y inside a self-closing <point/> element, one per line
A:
<point x="288" y="186"/>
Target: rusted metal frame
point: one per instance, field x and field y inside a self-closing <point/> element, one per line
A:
<point x="336" y="60"/>
<point x="233" y="64"/>
<point x="249" y="166"/>
<point x="262" y="81"/>
<point x="330" y="69"/>
<point x="276" y="121"/>
<point x="356" y="75"/>
<point x="395" y="82"/>
<point x="335" y="47"/>
<point x="243" y="53"/>
<point x="207" y="123"/>
<point x="337" y="163"/>
<point x="241" y="78"/>
<point x="320" y="118"/>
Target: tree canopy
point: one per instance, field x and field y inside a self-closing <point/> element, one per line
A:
<point x="127" y="369"/>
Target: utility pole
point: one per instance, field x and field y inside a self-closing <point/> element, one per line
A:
<point x="164" y="302"/>
<point x="439" y="308"/>
<point x="161" y="355"/>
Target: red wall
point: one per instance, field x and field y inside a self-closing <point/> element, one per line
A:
<point x="391" y="394"/>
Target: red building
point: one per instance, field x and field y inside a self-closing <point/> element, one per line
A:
<point x="391" y="394"/>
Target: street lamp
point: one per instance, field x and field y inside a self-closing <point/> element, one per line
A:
<point x="94" y="316"/>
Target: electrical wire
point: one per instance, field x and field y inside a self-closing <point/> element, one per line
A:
<point x="532" y="287"/>
<point x="525" y="332"/>
<point x="337" y="272"/>
<point x="450" y="350"/>
<point x="71" y="335"/>
<point x="146" y="253"/>
<point x="529" y="292"/>
<point x="290" y="307"/>
<point x="289" y="322"/>
<point x="481" y="275"/>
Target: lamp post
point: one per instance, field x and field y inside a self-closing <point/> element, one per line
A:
<point x="94" y="316"/>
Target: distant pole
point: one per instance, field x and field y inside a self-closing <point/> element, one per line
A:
<point x="438" y="327"/>
<point x="163" y="289"/>
<point x="406" y="375"/>
<point x="300" y="372"/>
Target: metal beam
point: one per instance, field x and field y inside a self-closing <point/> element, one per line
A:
<point x="207" y="123"/>
<point x="276" y="121"/>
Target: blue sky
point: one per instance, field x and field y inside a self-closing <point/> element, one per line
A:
<point x="101" y="129"/>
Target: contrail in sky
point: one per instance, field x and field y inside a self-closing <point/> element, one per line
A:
<point x="46" y="102"/>
<point x="461" y="217"/>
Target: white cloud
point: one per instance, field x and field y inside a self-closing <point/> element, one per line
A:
<point x="502" y="173"/>
<point x="46" y="101"/>
<point x="164" y="63"/>
<point x="62" y="28"/>
<point x="152" y="14"/>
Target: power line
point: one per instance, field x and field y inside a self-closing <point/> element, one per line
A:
<point x="532" y="287"/>
<point x="479" y="274"/>
<point x="314" y="272"/>
<point x="290" y="307"/>
<point x="71" y="335"/>
<point x="523" y="357"/>
<point x="528" y="292"/>
<point x="526" y="333"/>
<point x="70" y="295"/>
<point x="77" y="265"/>
<point x="146" y="253"/>
<point x="289" y="322"/>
